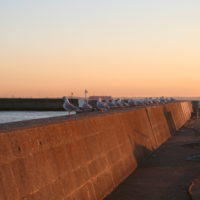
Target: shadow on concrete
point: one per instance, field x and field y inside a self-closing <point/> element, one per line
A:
<point x="140" y="153"/>
<point x="165" y="175"/>
<point x="170" y="121"/>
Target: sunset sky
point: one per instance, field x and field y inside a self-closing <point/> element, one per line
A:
<point x="50" y="48"/>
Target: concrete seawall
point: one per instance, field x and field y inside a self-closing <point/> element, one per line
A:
<point x="40" y="104"/>
<point x="83" y="158"/>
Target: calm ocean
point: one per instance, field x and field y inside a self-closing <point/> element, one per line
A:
<point x="14" y="116"/>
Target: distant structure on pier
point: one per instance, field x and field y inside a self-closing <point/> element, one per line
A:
<point x="100" y="97"/>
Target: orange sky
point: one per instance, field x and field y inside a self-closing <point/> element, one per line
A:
<point x="145" y="49"/>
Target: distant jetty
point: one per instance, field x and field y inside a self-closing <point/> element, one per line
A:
<point x="34" y="104"/>
<point x="56" y="104"/>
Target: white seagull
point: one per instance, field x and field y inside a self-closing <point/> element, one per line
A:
<point x="68" y="106"/>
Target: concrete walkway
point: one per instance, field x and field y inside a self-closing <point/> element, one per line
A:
<point x="167" y="174"/>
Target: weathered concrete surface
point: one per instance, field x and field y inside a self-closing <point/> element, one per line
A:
<point x="167" y="173"/>
<point x="180" y="112"/>
<point x="159" y="124"/>
<point x="82" y="158"/>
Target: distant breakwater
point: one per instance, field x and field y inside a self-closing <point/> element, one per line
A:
<point x="39" y="104"/>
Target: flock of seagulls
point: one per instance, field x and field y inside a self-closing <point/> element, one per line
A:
<point x="114" y="103"/>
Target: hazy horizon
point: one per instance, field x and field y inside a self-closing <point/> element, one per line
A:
<point x="117" y="48"/>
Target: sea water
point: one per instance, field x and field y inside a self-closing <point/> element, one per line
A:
<point x="14" y="116"/>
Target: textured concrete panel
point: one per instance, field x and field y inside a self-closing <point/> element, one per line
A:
<point x="159" y="124"/>
<point x="178" y="113"/>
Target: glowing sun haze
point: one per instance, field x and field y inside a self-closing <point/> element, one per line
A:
<point x="51" y="48"/>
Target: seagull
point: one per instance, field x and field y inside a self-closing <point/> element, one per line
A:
<point x="114" y="102"/>
<point x="124" y="102"/>
<point x="155" y="100"/>
<point x="110" y="104"/>
<point x="172" y="99"/>
<point x="86" y="106"/>
<point x="131" y="102"/>
<point x="106" y="105"/>
<point x="68" y="106"/>
<point x="102" y="106"/>
<point x="162" y="99"/>
<point x="146" y="101"/>
<point x="140" y="102"/>
<point x="119" y="103"/>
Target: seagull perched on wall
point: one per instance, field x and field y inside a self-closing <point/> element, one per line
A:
<point x="68" y="106"/>
<point x="110" y="104"/>
<point x="140" y="102"/>
<point x="86" y="106"/>
<point x="114" y="102"/>
<point x="124" y="102"/>
<point x="132" y="102"/>
<point x="119" y="103"/>
<point x="102" y="106"/>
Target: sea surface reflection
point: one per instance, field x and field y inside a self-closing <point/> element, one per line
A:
<point x="14" y="116"/>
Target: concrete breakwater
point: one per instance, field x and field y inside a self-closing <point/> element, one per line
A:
<point x="46" y="104"/>
<point x="85" y="157"/>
